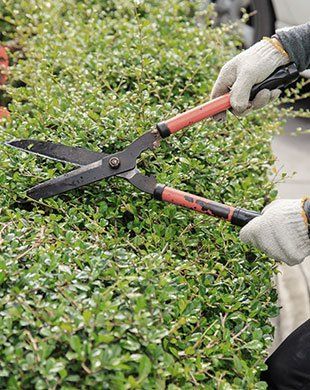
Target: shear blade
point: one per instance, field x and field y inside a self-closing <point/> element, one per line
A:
<point x="80" y="177"/>
<point x="94" y="166"/>
<point x="87" y="174"/>
<point x="55" y="151"/>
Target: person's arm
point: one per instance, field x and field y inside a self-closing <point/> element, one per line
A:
<point x="296" y="42"/>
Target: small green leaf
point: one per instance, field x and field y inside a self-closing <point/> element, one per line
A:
<point x="145" y="367"/>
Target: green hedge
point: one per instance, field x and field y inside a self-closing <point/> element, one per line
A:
<point x="105" y="287"/>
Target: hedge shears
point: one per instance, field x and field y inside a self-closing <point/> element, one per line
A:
<point x="95" y="166"/>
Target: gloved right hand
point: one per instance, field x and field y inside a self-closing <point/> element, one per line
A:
<point x="281" y="231"/>
<point x="248" y="68"/>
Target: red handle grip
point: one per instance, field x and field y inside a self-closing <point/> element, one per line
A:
<point x="4" y="113"/>
<point x="235" y="215"/>
<point x="194" y="115"/>
<point x="4" y="64"/>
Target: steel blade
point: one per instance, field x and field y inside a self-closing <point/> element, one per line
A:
<point x="55" y="151"/>
<point x="82" y="176"/>
<point x="99" y="168"/>
<point x="79" y="177"/>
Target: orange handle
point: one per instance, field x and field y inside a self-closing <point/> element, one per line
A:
<point x="4" y="64"/>
<point x="235" y="215"/>
<point x="4" y="113"/>
<point x="194" y="115"/>
<point x="194" y="202"/>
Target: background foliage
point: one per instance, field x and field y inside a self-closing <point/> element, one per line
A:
<point x="104" y="287"/>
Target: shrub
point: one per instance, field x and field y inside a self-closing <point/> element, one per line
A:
<point x="105" y="287"/>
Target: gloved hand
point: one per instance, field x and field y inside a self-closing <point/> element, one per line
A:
<point x="281" y="232"/>
<point x="245" y="70"/>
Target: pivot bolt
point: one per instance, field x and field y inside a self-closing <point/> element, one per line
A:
<point x="114" y="162"/>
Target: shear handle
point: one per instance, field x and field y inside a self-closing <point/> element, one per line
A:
<point x="236" y="215"/>
<point x="280" y="78"/>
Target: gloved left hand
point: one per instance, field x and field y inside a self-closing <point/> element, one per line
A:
<point x="281" y="232"/>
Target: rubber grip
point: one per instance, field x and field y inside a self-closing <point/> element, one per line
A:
<point x="279" y="79"/>
<point x="242" y="216"/>
<point x="194" y="115"/>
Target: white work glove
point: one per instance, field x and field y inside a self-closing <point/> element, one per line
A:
<point x="281" y="232"/>
<point x="248" y="68"/>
